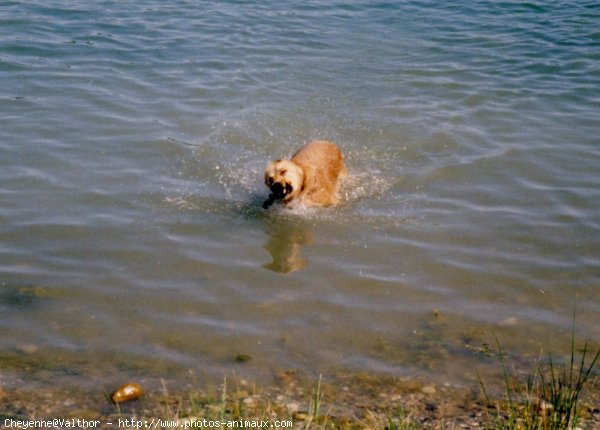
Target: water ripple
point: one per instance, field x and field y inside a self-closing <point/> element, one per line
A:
<point x="133" y="143"/>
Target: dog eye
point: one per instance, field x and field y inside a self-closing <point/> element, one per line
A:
<point x="283" y="172"/>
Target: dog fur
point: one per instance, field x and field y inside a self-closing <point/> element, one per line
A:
<point x="310" y="177"/>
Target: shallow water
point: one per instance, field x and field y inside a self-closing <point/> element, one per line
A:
<point x="133" y="140"/>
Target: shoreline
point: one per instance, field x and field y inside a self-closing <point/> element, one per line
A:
<point x="353" y="401"/>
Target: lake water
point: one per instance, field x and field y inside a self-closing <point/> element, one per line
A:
<point x="133" y="139"/>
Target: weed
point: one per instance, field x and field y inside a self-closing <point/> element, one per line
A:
<point x="549" y="399"/>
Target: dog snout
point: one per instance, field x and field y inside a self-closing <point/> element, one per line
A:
<point x="277" y="188"/>
<point x="280" y="190"/>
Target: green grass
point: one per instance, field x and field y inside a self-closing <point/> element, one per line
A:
<point x="549" y="399"/>
<point x="315" y="404"/>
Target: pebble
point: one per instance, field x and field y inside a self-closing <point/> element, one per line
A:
<point x="27" y="348"/>
<point x="127" y="392"/>
<point x="242" y="358"/>
<point x="428" y="389"/>
<point x="249" y="402"/>
<point x="293" y="407"/>
<point x="510" y="321"/>
<point x="300" y="416"/>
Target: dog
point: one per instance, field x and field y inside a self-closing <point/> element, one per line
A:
<point x="310" y="178"/>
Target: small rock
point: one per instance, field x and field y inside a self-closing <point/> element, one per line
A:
<point x="27" y="348"/>
<point x="242" y="358"/>
<point x="510" y="321"/>
<point x="249" y="402"/>
<point x="428" y="389"/>
<point x="127" y="392"/>
<point x="300" y="416"/>
<point x="293" y="407"/>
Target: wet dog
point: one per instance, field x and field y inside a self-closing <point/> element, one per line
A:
<point x="310" y="177"/>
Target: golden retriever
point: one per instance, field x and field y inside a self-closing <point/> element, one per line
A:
<point x="310" y="177"/>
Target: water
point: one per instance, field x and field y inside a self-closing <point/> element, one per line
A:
<point x="134" y="136"/>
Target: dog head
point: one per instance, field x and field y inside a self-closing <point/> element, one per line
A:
<point x="284" y="178"/>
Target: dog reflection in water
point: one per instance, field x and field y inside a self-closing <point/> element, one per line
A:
<point x="285" y="244"/>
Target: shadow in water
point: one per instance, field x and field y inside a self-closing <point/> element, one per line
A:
<point x="286" y="241"/>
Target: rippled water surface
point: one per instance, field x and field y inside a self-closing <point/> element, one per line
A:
<point x="133" y="137"/>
